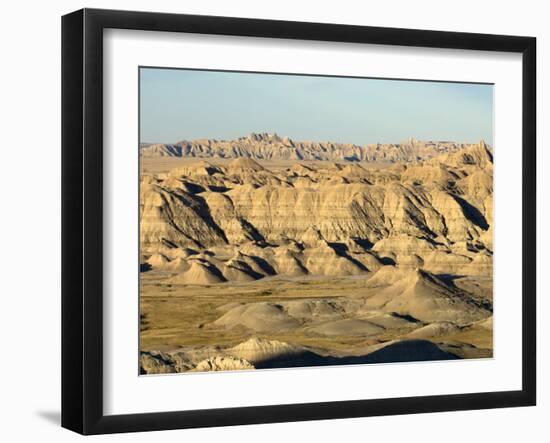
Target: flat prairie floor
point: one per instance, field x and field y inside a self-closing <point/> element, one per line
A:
<point x="176" y="316"/>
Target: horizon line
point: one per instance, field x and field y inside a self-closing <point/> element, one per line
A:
<point x="275" y="134"/>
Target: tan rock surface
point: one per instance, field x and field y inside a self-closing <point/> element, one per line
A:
<point x="264" y="249"/>
<point x="273" y="147"/>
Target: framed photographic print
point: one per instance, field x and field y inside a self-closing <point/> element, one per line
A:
<point x="268" y="221"/>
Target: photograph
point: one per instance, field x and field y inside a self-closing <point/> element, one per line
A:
<point x="300" y="220"/>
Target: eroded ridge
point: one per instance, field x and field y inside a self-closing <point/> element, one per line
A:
<point x="268" y="253"/>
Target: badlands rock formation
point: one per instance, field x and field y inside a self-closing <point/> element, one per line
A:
<point x="407" y="246"/>
<point x="436" y="215"/>
<point x="272" y="147"/>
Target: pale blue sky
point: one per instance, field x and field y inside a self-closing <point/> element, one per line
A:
<point x="186" y="105"/>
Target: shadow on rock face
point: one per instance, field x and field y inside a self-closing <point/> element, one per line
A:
<point x="403" y="351"/>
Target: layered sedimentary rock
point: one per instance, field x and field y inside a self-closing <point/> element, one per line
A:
<point x="249" y="220"/>
<point x="252" y="262"/>
<point x="273" y="147"/>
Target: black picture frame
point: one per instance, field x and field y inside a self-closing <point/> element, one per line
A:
<point x="82" y="218"/>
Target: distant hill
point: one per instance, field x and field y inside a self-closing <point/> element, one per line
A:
<point x="273" y="147"/>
